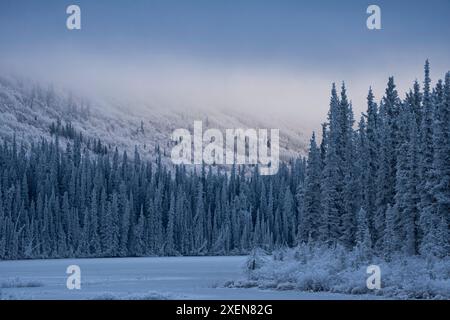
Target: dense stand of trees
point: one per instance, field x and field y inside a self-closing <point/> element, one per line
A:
<point x="68" y="131"/>
<point x="382" y="186"/>
<point x="56" y="203"/>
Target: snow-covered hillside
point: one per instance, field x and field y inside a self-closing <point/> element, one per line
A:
<point x="29" y="109"/>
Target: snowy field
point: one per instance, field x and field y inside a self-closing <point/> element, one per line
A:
<point x="138" y="278"/>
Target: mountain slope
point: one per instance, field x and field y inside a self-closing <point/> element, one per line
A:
<point x="28" y="111"/>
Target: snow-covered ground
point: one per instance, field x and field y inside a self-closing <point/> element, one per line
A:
<point x="138" y="278"/>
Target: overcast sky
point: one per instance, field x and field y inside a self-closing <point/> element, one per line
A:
<point x="270" y="57"/>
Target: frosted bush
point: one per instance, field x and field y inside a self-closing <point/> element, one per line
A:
<point x="338" y="270"/>
<point x="257" y="258"/>
<point x="20" y="283"/>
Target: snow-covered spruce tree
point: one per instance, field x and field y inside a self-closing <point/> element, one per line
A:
<point x="426" y="160"/>
<point x="412" y="197"/>
<point x="170" y="235"/>
<point x="83" y="244"/>
<point x="114" y="227"/>
<point x="124" y="226"/>
<point x="388" y="140"/>
<point x="199" y="222"/>
<point x="363" y="238"/>
<point x="352" y="191"/>
<point x="415" y="101"/>
<point x="391" y="239"/>
<point x="435" y="216"/>
<point x="94" y="239"/>
<point x="138" y="245"/>
<point x="361" y="167"/>
<point x="105" y="225"/>
<point x="310" y="215"/>
<point x="331" y="176"/>
<point x="404" y="173"/>
<point x="338" y="176"/>
<point x="323" y="145"/>
<point x="289" y="218"/>
<point x="369" y="185"/>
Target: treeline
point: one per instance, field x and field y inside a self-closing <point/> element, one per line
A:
<point x="56" y="203"/>
<point x="382" y="187"/>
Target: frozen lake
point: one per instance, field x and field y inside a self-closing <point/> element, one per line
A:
<point x="137" y="278"/>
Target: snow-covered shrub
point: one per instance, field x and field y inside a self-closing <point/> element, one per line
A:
<point x="319" y="268"/>
<point x="257" y="258"/>
<point x="20" y="283"/>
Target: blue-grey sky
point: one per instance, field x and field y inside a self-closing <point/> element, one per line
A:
<point x="250" y="53"/>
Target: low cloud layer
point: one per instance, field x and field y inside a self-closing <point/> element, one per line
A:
<point x="298" y="95"/>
